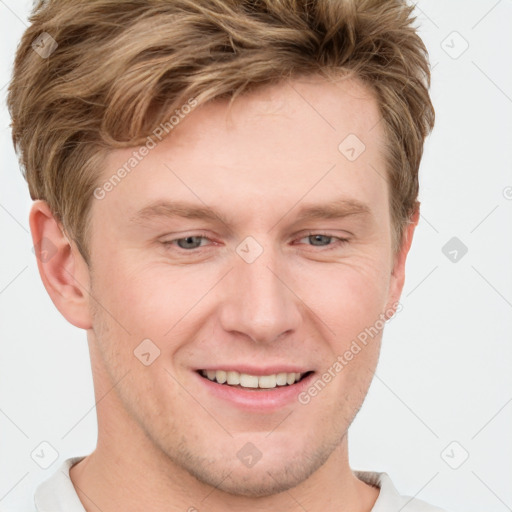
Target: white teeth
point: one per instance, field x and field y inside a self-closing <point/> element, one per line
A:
<point x="245" y="380"/>
<point x="248" y="381"/>
<point x="267" y="381"/>
<point x="233" y="378"/>
<point x="220" y="376"/>
<point x="281" y="379"/>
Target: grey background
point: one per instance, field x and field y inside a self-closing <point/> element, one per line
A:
<point x="443" y="387"/>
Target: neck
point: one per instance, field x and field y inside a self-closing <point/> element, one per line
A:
<point x="125" y="473"/>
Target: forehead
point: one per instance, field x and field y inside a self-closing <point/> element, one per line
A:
<point x="282" y="116"/>
<point x="272" y="147"/>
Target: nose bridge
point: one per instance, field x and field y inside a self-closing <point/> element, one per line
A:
<point x="258" y="303"/>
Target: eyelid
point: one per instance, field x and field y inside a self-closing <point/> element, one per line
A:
<point x="312" y="232"/>
<point x="340" y="240"/>
<point x="187" y="235"/>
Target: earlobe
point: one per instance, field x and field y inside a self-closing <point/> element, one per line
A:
<point x="64" y="273"/>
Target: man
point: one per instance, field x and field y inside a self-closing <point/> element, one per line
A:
<point x="225" y="195"/>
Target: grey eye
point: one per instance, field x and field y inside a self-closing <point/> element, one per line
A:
<point x="320" y="239"/>
<point x="189" y="242"/>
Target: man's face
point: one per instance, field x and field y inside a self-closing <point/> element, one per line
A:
<point x="263" y="291"/>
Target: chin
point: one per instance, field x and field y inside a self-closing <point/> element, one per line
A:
<point x="268" y="476"/>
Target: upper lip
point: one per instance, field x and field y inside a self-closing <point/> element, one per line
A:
<point x="259" y="371"/>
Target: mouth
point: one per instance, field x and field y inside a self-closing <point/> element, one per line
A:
<point x="255" y="390"/>
<point x="249" y="382"/>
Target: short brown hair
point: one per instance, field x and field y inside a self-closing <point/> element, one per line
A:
<point x="122" y="67"/>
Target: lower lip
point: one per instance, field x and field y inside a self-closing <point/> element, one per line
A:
<point x="257" y="400"/>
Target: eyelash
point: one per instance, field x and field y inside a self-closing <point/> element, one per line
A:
<point x="340" y="241"/>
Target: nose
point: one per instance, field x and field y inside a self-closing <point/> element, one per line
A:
<point x="258" y="300"/>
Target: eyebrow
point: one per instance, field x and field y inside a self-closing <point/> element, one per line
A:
<point x="337" y="209"/>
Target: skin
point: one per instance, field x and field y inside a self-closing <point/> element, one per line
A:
<point x="164" y="442"/>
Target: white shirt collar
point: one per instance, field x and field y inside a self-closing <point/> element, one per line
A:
<point x="57" y="494"/>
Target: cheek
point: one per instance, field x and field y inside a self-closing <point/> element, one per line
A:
<point x="145" y="300"/>
<point x="347" y="296"/>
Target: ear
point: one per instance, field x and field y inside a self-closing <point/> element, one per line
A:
<point x="64" y="272"/>
<point x="399" y="259"/>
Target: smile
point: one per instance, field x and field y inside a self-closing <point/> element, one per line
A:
<point x="247" y="381"/>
